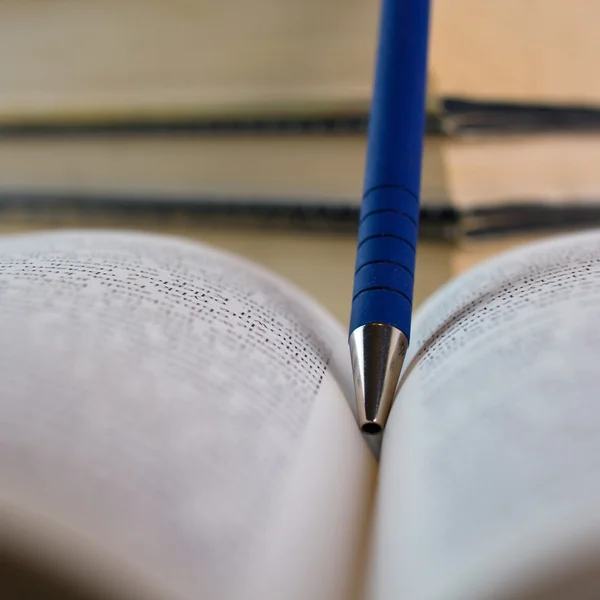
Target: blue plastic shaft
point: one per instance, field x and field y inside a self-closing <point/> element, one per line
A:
<point x="387" y="236"/>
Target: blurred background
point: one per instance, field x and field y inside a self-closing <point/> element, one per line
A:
<point x="243" y="124"/>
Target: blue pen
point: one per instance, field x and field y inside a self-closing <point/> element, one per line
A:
<point x="387" y="235"/>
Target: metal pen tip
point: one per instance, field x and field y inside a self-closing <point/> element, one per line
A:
<point x="377" y="352"/>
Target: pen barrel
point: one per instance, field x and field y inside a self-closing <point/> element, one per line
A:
<point x="387" y="236"/>
<point x="397" y="120"/>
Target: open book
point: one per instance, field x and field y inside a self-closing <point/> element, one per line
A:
<point x="177" y="423"/>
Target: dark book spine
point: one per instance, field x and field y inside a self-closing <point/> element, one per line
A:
<point x="460" y="116"/>
<point x="316" y="125"/>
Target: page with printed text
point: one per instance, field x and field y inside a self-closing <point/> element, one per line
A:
<point x="489" y="485"/>
<point x="174" y="422"/>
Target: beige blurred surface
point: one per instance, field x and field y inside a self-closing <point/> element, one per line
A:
<point x="182" y="56"/>
<point x="119" y="59"/>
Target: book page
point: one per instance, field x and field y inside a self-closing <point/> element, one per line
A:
<point x="504" y="172"/>
<point x="489" y="482"/>
<point x="174" y="422"/>
<point x="508" y="51"/>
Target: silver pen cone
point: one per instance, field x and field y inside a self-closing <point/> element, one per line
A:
<point x="377" y="353"/>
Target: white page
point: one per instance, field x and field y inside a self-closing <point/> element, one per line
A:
<point x="490" y="474"/>
<point x="159" y="401"/>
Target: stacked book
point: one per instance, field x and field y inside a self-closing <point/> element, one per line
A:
<point x="136" y="107"/>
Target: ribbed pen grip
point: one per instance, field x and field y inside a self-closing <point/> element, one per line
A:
<point x="385" y="260"/>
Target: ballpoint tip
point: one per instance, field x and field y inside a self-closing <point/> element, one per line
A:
<point x="377" y="352"/>
<point x="371" y="428"/>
